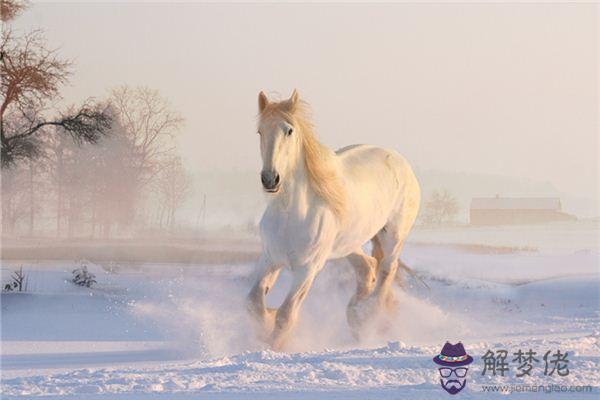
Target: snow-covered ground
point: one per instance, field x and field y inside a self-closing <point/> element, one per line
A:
<point x="172" y="331"/>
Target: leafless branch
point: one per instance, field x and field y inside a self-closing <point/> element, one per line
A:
<point x="9" y="9"/>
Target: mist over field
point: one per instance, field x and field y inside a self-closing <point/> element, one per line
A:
<point x="478" y="108"/>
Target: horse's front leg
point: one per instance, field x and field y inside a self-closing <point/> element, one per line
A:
<point x="287" y="314"/>
<point x="263" y="317"/>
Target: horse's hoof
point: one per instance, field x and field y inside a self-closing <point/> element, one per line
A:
<point x="264" y="323"/>
<point x="277" y="346"/>
<point x="372" y="311"/>
<point x="269" y="319"/>
<point x="390" y="303"/>
<point x="358" y="315"/>
<point x="278" y="341"/>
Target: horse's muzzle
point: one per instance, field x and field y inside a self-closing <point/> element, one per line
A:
<point x="270" y="181"/>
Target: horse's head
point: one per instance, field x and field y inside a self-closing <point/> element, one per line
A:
<point x="280" y="142"/>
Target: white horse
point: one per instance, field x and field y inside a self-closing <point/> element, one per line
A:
<point x="325" y="205"/>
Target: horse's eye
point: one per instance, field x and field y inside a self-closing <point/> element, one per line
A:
<point x="290" y="130"/>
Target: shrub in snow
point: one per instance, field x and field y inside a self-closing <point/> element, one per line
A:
<point x="82" y="277"/>
<point x="17" y="282"/>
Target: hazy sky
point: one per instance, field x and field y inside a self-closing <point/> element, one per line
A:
<point x="493" y="88"/>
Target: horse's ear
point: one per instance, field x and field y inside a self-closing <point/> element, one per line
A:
<point x="262" y="101"/>
<point x="295" y="97"/>
<point x="291" y="103"/>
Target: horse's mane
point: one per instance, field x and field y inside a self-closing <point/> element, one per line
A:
<point x="319" y="161"/>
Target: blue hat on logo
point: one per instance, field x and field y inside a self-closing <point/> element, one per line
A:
<point x="453" y="355"/>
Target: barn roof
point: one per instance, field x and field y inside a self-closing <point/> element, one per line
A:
<point x="515" y="203"/>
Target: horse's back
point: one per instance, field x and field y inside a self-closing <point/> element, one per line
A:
<point x="381" y="187"/>
<point x="371" y="158"/>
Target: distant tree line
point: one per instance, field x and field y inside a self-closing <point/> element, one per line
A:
<point x="95" y="169"/>
<point x="129" y="178"/>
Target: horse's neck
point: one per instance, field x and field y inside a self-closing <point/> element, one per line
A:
<point x="298" y="195"/>
<point x="296" y="190"/>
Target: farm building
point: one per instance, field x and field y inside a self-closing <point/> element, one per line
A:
<point x="511" y="211"/>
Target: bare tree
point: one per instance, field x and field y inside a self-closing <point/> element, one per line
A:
<point x="92" y="184"/>
<point x="9" y="9"/>
<point x="113" y="192"/>
<point x="31" y="76"/>
<point x="14" y="198"/>
<point x="90" y="189"/>
<point x="18" y="282"/>
<point x="173" y="186"/>
<point x="150" y="124"/>
<point x="440" y="207"/>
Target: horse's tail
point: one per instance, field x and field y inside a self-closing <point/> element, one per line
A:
<point x="412" y="273"/>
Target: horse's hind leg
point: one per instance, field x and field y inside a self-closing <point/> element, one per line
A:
<point x="391" y="241"/>
<point x="362" y="310"/>
<point x="377" y="250"/>
<point x="365" y="268"/>
<point x="263" y="317"/>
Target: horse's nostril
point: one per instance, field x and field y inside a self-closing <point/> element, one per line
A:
<point x="270" y="180"/>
